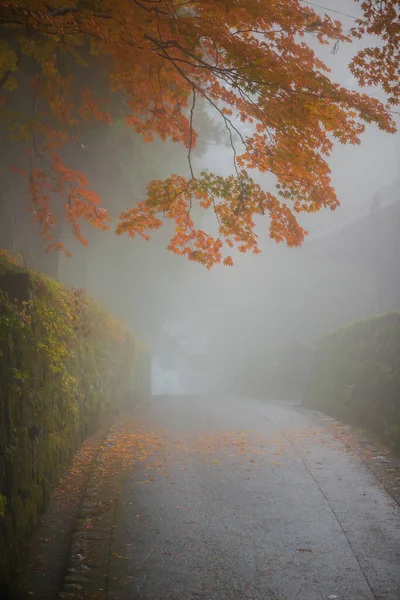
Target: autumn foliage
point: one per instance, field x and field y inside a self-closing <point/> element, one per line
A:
<point x="247" y="59"/>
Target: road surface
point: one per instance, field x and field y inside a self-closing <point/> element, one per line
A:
<point x="249" y="500"/>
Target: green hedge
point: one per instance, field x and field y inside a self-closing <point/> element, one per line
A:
<point x="356" y="376"/>
<point x="63" y="369"/>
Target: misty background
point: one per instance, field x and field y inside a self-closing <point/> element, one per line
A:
<point x="225" y="329"/>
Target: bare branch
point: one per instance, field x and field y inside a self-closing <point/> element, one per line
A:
<point x="191" y="132"/>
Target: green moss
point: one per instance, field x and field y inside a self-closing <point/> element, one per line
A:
<point x="63" y="371"/>
<point x="3" y="503"/>
<point x="357" y="376"/>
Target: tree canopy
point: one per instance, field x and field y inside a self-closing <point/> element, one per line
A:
<point x="155" y="62"/>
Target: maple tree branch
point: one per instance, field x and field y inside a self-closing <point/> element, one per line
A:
<point x="7" y="74"/>
<point x="228" y="123"/>
<point x="227" y="76"/>
<point x="211" y="51"/>
<point x="152" y="8"/>
<point x="233" y="74"/>
<point x="202" y="92"/>
<point x="232" y="146"/>
<point x="191" y="132"/>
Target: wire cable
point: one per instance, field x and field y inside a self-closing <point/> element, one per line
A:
<point x="332" y="10"/>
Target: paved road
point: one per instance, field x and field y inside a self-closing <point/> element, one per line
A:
<point x="249" y="500"/>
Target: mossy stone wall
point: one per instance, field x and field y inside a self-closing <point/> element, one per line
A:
<point x="63" y="371"/>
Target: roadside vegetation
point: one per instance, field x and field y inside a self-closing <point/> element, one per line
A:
<point x="356" y="376"/>
<point x="64" y="371"/>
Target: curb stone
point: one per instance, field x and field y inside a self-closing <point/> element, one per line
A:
<point x="89" y="556"/>
<point x="48" y="547"/>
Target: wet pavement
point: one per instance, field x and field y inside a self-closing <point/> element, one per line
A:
<point x="249" y="500"/>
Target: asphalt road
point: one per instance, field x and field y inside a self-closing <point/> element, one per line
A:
<point x="249" y="500"/>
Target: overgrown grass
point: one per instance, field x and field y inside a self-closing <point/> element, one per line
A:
<point x="63" y="369"/>
<point x="356" y="376"/>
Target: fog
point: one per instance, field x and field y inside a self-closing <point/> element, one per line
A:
<point x="223" y="330"/>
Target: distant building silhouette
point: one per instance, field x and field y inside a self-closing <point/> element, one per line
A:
<point x="371" y="242"/>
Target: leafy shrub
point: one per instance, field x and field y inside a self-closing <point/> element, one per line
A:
<point x="356" y="376"/>
<point x="63" y="369"/>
